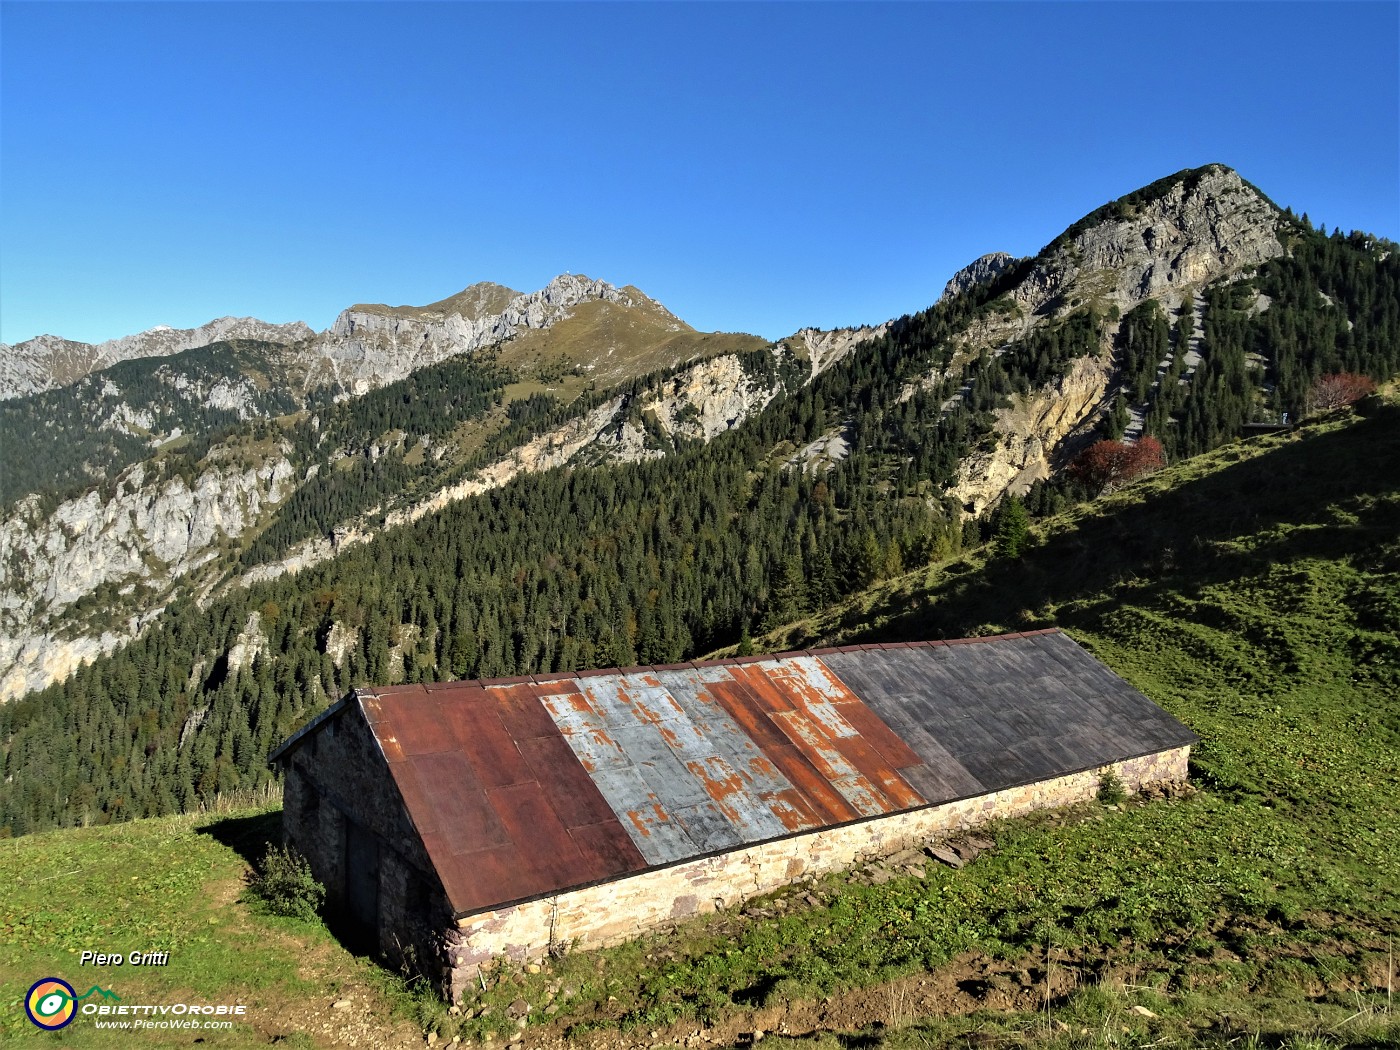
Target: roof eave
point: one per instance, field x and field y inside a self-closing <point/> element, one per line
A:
<point x="310" y="727"/>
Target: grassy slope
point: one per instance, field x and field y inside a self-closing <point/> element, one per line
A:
<point x="175" y="885"/>
<point x="1255" y="593"/>
<point x="614" y="343"/>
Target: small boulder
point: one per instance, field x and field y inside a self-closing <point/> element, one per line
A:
<point x="945" y="855"/>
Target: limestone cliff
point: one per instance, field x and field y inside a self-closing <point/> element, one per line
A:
<point x="49" y="361"/>
<point x="1028" y="433"/>
<point x="708" y="398"/>
<point x="86" y="576"/>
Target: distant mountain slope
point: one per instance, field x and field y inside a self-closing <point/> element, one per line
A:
<point x="49" y="361"/>
<point x="372" y="346"/>
<point x="789" y="473"/>
<point x="64" y="441"/>
<point x="105" y="449"/>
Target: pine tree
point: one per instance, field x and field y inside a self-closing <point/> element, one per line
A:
<point x="1013" y="528"/>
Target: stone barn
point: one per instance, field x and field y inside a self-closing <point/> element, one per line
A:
<point x="459" y="822"/>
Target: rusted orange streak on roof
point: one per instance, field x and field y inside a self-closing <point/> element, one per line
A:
<point x="817" y="725"/>
<point x="743" y="699"/>
<point x="504" y="807"/>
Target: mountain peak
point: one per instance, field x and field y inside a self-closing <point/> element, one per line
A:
<point x="1162" y="241"/>
<point x="1213" y="182"/>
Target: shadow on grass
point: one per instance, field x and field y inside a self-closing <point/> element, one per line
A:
<point x="1325" y="495"/>
<point x="249" y="837"/>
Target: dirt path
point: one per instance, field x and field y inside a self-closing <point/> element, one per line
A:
<point x="344" y="1011"/>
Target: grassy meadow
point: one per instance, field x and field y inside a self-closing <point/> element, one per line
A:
<point x="1253" y="592"/>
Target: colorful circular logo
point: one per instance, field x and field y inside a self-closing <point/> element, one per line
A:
<point x="51" y="1003"/>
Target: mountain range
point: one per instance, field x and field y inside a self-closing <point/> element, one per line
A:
<point x="203" y="543"/>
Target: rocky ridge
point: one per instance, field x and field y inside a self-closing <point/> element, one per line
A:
<point x="49" y="361"/>
<point x="370" y="346"/>
<point x="979" y="271"/>
<point x="1205" y="226"/>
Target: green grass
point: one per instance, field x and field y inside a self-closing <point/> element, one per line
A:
<point x="154" y="885"/>
<point x="1254" y="593"/>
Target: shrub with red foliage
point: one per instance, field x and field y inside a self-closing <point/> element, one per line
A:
<point x="1339" y="389"/>
<point x="1108" y="464"/>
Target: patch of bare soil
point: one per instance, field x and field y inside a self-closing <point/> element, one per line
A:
<point x="342" y="1010"/>
<point x="353" y="1016"/>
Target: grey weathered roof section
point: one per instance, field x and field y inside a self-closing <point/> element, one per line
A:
<point x="993" y="716"/>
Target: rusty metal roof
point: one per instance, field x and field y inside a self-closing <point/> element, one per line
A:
<point x="528" y="786"/>
<point x="504" y="808"/>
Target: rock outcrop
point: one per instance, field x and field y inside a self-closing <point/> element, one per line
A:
<point x="979" y="271"/>
<point x="121" y="554"/>
<point x="48" y="361"/>
<point x="1200" y="230"/>
<point x="826" y="348"/>
<point x="709" y="398"/>
<point x="1028" y="434"/>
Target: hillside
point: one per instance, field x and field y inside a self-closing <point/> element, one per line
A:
<point x="464" y="522"/>
<point x="1253" y="591"/>
<point x="164" y="477"/>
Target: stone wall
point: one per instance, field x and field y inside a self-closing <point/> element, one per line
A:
<point x="337" y="775"/>
<point x="616" y="911"/>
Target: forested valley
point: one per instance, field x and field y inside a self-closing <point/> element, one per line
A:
<point x="664" y="559"/>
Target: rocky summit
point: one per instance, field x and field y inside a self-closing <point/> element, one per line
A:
<point x="979" y="271"/>
<point x="210" y="471"/>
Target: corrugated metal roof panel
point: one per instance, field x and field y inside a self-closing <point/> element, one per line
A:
<point x="764" y="749"/>
<point x="496" y="793"/>
<point x="1021" y="709"/>
<point x="527" y="786"/>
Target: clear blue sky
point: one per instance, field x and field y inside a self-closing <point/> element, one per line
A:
<point x="755" y="167"/>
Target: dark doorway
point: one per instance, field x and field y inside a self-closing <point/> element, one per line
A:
<point x="362" y="884"/>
